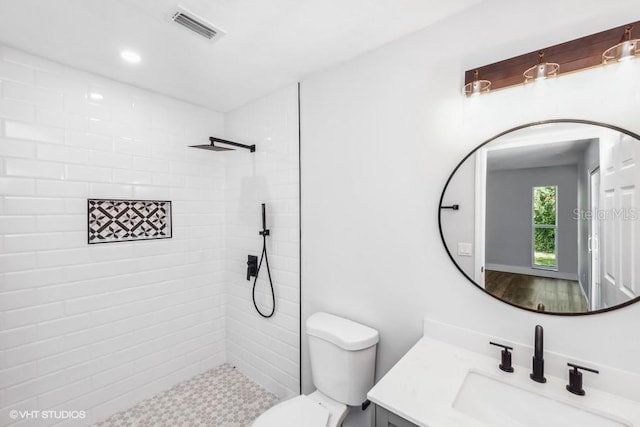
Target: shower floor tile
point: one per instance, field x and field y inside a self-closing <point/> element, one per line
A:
<point x="220" y="397"/>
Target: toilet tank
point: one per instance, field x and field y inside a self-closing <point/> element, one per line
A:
<point x="343" y="357"/>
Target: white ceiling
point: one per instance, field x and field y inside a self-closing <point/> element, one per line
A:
<point x="269" y="43"/>
<point x="543" y="145"/>
<point x="538" y="156"/>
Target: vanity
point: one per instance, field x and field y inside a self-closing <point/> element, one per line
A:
<point x="440" y="383"/>
<point x="543" y="240"/>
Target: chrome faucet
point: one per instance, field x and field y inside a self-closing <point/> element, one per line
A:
<point x="538" y="361"/>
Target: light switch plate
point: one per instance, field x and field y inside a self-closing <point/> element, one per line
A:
<point x="465" y="249"/>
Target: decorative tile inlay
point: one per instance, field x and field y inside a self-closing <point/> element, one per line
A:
<point x="124" y="220"/>
<point x="221" y="397"/>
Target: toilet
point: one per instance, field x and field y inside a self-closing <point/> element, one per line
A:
<point x="343" y="355"/>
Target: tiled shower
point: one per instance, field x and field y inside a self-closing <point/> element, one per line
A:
<point x="267" y="350"/>
<point x="104" y="326"/>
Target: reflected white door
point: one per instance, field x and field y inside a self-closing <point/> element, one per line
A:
<point x="480" y="209"/>
<point x="594" y="239"/>
<point x="620" y="241"/>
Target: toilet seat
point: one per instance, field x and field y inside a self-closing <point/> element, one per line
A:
<point x="300" y="411"/>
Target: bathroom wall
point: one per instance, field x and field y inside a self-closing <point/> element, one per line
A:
<point x="99" y="327"/>
<point x="267" y="350"/>
<point x="459" y="226"/>
<point x="380" y="136"/>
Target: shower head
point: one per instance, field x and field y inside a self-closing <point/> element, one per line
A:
<point x="211" y="147"/>
<point x="214" y="147"/>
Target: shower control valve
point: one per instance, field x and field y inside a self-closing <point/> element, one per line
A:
<point x="252" y="266"/>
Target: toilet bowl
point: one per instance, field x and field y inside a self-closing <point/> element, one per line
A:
<point x="342" y="356"/>
<point x="314" y="410"/>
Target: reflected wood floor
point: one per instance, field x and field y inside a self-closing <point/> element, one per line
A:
<point x="557" y="295"/>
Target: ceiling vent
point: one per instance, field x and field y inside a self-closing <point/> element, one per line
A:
<point x="196" y="24"/>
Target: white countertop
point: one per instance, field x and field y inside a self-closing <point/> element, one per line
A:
<point x="423" y="385"/>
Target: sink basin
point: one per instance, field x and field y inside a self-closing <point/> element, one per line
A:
<point x="499" y="404"/>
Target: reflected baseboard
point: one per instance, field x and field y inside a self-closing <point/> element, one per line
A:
<point x="516" y="269"/>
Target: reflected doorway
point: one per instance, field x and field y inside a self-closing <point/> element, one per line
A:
<point x="594" y="238"/>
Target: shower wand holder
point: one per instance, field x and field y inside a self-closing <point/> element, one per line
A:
<point x="264" y="232"/>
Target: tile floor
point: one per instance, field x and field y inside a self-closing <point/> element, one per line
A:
<point x="221" y="397"/>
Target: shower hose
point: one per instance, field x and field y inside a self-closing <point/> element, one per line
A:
<point x="264" y="233"/>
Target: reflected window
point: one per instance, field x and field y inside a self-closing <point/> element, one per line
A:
<point x="545" y="230"/>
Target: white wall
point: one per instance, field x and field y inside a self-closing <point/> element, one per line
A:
<point x="380" y="135"/>
<point x="459" y="226"/>
<point x="265" y="349"/>
<point x="100" y="327"/>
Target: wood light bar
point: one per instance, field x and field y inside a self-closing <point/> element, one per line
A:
<point x="574" y="55"/>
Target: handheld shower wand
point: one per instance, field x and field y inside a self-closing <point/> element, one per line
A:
<point x="264" y="233"/>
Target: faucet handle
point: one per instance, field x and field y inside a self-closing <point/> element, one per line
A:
<point x="575" y="379"/>
<point x="505" y="363"/>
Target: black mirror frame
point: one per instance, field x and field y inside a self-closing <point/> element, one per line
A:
<point x="446" y="185"/>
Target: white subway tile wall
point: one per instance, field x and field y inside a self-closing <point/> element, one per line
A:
<point x="98" y="328"/>
<point x="267" y="350"/>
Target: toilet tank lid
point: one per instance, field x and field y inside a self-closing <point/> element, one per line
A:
<point x="344" y="333"/>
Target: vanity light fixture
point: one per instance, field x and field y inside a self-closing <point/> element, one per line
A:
<point x="477" y="86"/>
<point x="586" y="52"/>
<point x="626" y="49"/>
<point x="542" y="70"/>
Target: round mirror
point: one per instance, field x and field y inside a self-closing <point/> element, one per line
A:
<point x="545" y="217"/>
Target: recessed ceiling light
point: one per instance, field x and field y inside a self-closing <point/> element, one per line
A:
<point x="130" y="56"/>
<point x="96" y="96"/>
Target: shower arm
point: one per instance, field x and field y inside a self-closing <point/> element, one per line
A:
<point x="213" y="139"/>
